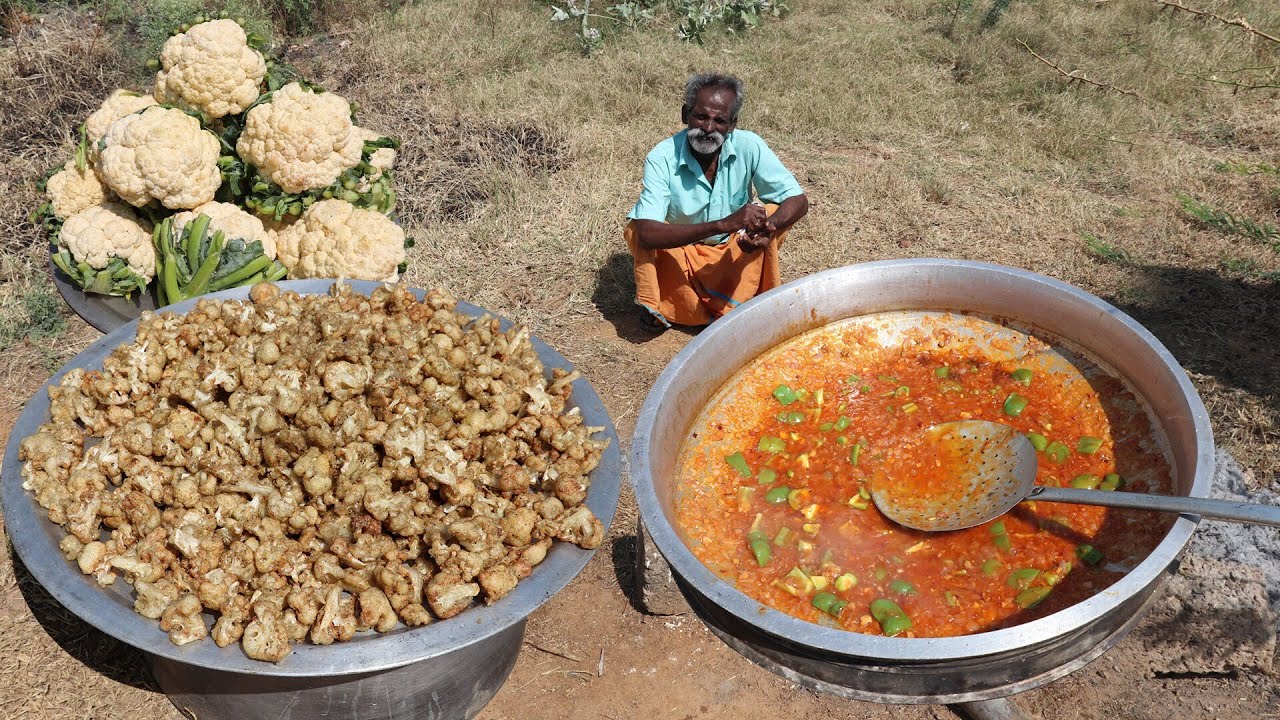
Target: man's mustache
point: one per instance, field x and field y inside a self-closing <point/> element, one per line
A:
<point x="702" y="137"/>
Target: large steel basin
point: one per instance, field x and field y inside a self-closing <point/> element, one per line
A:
<point x="918" y="670"/>
<point x="446" y="670"/>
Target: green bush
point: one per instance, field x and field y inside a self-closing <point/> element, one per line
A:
<point x="147" y="27"/>
<point x="41" y="317"/>
<point x="691" y="20"/>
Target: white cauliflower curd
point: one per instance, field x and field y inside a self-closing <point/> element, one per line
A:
<point x="102" y="232"/>
<point x="71" y="190"/>
<point x="382" y="159"/>
<point x="117" y="105"/>
<point x="210" y="68"/>
<point x="161" y="154"/>
<point x="335" y="239"/>
<point x="300" y="139"/>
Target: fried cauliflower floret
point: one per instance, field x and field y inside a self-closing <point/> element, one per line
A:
<point x="376" y="611"/>
<point x="334" y="238"/>
<point x="71" y="190"/>
<point x="448" y="595"/>
<point x="47" y="465"/>
<point x="300" y="139"/>
<point x="337" y="620"/>
<point x="265" y="637"/>
<point x="496" y="582"/>
<point x="344" y="380"/>
<point x="233" y="222"/>
<point x="518" y="526"/>
<point x="210" y="68"/>
<point x="99" y="233"/>
<point x="579" y="526"/>
<point x="92" y="557"/>
<point x="183" y="622"/>
<point x="230" y="625"/>
<point x="163" y="155"/>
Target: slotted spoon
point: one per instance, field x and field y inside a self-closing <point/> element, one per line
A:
<point x="992" y="467"/>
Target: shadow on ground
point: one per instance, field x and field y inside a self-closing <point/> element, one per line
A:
<point x="624" y="569"/>
<point x="1213" y="325"/>
<point x="116" y="660"/>
<point x="614" y="296"/>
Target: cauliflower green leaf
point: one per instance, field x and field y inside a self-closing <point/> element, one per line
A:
<point x="192" y="261"/>
<point x="366" y="186"/>
<point x="117" y="278"/>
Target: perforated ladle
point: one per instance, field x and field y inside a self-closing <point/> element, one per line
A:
<point x="992" y="467"/>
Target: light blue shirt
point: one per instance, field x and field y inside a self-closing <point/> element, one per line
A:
<point x="676" y="191"/>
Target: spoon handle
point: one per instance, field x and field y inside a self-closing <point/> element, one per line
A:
<point x="1216" y="509"/>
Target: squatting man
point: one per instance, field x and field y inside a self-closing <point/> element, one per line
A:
<point x="715" y="208"/>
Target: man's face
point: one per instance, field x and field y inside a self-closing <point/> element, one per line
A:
<point x="709" y="120"/>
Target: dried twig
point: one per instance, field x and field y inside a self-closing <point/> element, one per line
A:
<point x="549" y="651"/>
<point x="1113" y="139"/>
<point x="600" y="664"/>
<point x="1237" y="22"/>
<point x="1076" y="76"/>
<point x="579" y="675"/>
<point x="1236" y="84"/>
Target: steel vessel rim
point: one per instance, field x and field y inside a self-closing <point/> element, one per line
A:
<point x="907" y="650"/>
<point x="26" y="522"/>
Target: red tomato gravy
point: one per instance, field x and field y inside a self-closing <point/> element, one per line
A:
<point x="775" y="473"/>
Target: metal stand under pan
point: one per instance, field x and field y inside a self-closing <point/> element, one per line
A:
<point x="453" y="686"/>
<point x="979" y="689"/>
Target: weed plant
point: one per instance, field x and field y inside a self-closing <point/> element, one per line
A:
<point x="1229" y="224"/>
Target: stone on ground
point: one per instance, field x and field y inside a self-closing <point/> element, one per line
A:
<point x="657" y="589"/>
<point x="1218" y="614"/>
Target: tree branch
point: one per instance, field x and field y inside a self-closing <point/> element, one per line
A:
<point x="1076" y="76"/>
<point x="1237" y="22"/>
<point x="1236" y="84"/>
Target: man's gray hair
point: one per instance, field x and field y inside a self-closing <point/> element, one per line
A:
<point x="702" y="81"/>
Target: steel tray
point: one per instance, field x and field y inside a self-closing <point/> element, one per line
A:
<point x="110" y="610"/>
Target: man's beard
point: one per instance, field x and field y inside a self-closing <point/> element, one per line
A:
<point x="705" y="143"/>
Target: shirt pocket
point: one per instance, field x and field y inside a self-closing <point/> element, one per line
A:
<point x="689" y="204"/>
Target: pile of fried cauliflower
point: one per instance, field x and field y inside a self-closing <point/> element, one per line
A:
<point x="309" y="467"/>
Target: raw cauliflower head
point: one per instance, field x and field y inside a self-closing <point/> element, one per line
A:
<point x="161" y="154"/>
<point x="233" y="222"/>
<point x="117" y="105"/>
<point x="383" y="158"/>
<point x="97" y="234"/>
<point x="300" y="140"/>
<point x="72" y="190"/>
<point x="210" y="68"/>
<point x="335" y="239"/>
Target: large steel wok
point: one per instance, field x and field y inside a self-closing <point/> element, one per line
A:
<point x="446" y="670"/>
<point x="965" y="669"/>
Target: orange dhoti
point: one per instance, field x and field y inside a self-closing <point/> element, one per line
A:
<point x="695" y="284"/>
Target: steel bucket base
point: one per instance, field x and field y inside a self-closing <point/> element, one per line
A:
<point x="453" y="686"/>
<point x="969" y="683"/>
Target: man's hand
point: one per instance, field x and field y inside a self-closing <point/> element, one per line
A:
<point x="758" y="240"/>
<point x="788" y="212"/>
<point x="750" y="218"/>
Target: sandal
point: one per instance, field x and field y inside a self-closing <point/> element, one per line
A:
<point x="651" y="324"/>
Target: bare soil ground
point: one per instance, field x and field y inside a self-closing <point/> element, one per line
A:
<point x="521" y="159"/>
